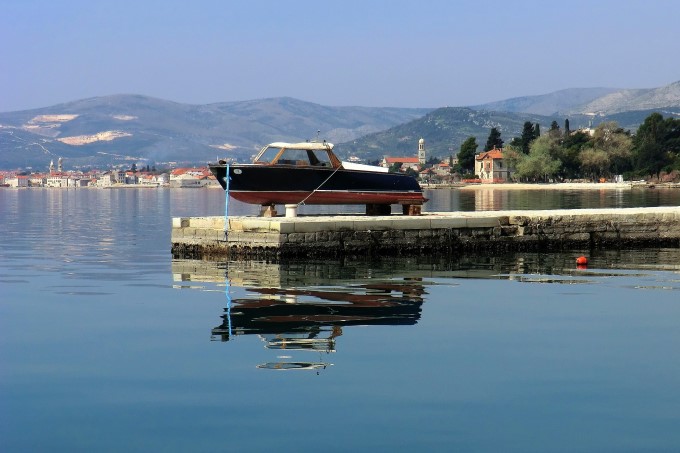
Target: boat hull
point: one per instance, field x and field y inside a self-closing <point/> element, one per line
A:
<point x="280" y="184"/>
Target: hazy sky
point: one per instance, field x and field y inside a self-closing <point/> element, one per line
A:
<point x="380" y="53"/>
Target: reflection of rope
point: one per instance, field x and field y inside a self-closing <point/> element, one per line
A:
<point x="324" y="182"/>
<point x="226" y="291"/>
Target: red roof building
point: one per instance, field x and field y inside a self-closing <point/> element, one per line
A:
<point x="490" y="166"/>
<point x="407" y="162"/>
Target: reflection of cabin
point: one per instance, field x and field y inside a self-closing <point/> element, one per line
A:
<point x="490" y="166"/>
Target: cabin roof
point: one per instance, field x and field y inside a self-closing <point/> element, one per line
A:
<point x="302" y="145"/>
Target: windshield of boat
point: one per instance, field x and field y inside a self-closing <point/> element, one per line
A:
<point x="268" y="155"/>
<point x="293" y="156"/>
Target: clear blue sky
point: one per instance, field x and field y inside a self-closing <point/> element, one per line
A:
<point x="420" y="53"/>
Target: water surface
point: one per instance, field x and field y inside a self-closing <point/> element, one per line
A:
<point x="108" y="344"/>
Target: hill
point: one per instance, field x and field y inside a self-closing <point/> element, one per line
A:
<point x="581" y="101"/>
<point x="627" y="100"/>
<point x="126" y="129"/>
<point x="548" y="104"/>
<point x="447" y="128"/>
<point x="123" y="129"/>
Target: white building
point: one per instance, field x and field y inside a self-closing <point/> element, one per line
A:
<point x="17" y="181"/>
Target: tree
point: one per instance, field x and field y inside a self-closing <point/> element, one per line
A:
<point x="657" y="144"/>
<point x="411" y="172"/>
<point x="609" y="151"/>
<point x="566" y="127"/>
<point x="554" y="131"/>
<point x="594" y="162"/>
<point x="494" y="140"/>
<point x="466" y="155"/>
<point x="527" y="137"/>
<point x="539" y="164"/>
<point x="617" y="143"/>
<point x="395" y="167"/>
<point x="512" y="156"/>
<point x="537" y="131"/>
<point x="569" y="154"/>
<point x="432" y="161"/>
<point x="133" y="168"/>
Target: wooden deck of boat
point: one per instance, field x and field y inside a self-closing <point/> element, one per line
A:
<point x="330" y="236"/>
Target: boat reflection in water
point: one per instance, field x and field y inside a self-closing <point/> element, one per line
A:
<point x="311" y="320"/>
<point x="303" y="308"/>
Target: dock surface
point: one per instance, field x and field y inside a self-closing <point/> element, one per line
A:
<point x="332" y="236"/>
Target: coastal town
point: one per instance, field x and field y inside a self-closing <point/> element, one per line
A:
<point x="493" y="165"/>
<point x="57" y="177"/>
<point x="194" y="177"/>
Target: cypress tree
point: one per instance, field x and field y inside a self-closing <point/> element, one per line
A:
<point x="494" y="140"/>
<point x="554" y="131"/>
<point x="566" y="127"/>
<point x="527" y="136"/>
<point x="466" y="155"/>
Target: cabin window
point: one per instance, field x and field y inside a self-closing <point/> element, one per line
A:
<point x="293" y="156"/>
<point x="268" y="155"/>
<point x="304" y="157"/>
<point x="319" y="158"/>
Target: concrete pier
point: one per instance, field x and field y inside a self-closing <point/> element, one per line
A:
<point x="430" y="233"/>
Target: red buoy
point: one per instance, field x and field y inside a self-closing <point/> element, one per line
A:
<point x="582" y="260"/>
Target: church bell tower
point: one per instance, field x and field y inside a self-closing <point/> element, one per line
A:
<point x="421" y="151"/>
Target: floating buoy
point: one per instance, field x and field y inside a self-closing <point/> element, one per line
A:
<point x="581" y="260"/>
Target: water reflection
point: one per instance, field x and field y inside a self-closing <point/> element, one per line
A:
<point x="310" y="320"/>
<point x="488" y="198"/>
<point x="301" y="309"/>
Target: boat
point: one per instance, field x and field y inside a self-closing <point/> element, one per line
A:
<point x="310" y="173"/>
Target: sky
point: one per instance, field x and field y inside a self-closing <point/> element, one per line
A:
<point x="374" y="53"/>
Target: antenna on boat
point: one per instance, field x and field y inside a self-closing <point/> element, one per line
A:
<point x="317" y="135"/>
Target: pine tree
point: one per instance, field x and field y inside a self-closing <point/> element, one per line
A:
<point x="527" y="136"/>
<point x="554" y="131"/>
<point x="494" y="140"/>
<point x="466" y="155"/>
<point x="657" y="144"/>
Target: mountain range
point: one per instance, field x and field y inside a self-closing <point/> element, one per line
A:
<point x="126" y="129"/>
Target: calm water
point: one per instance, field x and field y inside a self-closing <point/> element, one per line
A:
<point x="486" y="199"/>
<point x="107" y="344"/>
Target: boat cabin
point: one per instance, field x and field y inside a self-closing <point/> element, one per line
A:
<point x="308" y="154"/>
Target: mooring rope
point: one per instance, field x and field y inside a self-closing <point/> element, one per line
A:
<point x="226" y="201"/>
<point x="324" y="182"/>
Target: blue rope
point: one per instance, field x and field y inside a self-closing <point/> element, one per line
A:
<point x="226" y="202"/>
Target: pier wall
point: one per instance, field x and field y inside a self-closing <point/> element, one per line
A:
<point x="431" y="233"/>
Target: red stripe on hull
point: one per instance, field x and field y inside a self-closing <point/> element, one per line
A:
<point x="321" y="197"/>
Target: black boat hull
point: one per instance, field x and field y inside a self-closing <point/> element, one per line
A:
<point x="282" y="184"/>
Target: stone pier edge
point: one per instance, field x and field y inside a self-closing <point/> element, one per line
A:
<point x="428" y="234"/>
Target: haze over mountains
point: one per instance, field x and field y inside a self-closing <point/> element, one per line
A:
<point x="604" y="101"/>
<point x="126" y="129"/>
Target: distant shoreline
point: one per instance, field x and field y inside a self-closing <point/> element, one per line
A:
<point x="553" y="186"/>
<point x="458" y="186"/>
